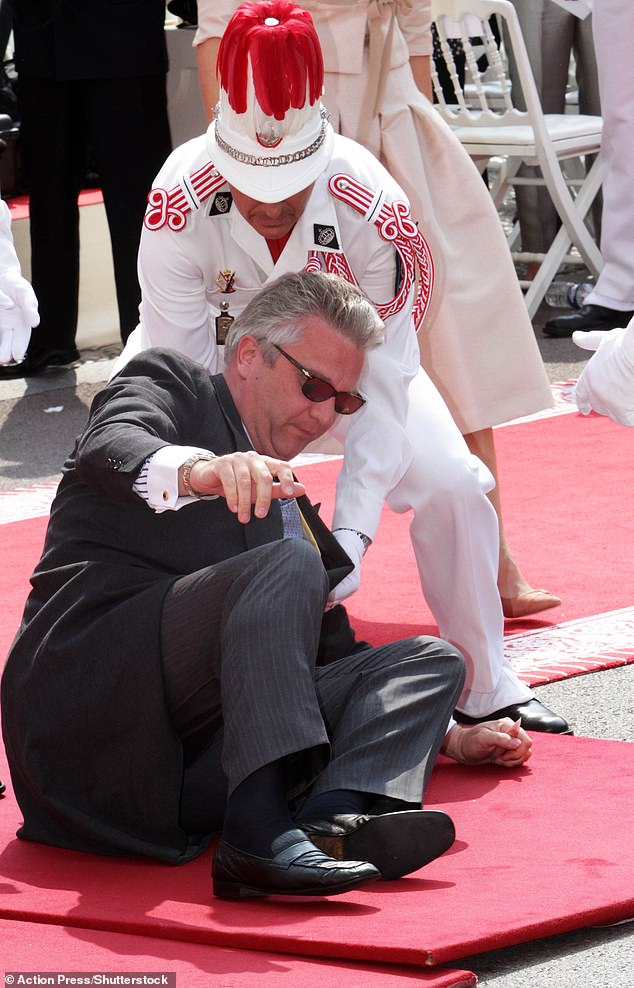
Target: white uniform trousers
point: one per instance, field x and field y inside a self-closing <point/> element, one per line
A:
<point x="614" y="40"/>
<point x="454" y="532"/>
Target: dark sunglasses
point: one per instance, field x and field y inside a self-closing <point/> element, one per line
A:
<point x="315" y="389"/>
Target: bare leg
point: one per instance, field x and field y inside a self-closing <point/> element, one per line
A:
<point x="519" y="599"/>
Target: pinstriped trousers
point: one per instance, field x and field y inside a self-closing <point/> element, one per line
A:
<point x="239" y="641"/>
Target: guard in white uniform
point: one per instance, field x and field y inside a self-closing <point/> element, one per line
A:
<point x="201" y="259"/>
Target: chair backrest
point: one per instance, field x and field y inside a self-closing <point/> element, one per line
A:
<point x="489" y="100"/>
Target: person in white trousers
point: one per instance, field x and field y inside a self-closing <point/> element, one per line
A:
<point x="611" y="304"/>
<point x="551" y="34"/>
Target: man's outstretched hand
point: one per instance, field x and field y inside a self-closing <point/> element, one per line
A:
<point x="246" y="481"/>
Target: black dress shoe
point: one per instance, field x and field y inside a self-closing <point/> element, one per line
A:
<point x="586" y="318"/>
<point x="396" y="843"/>
<point x="36" y="362"/>
<point x="533" y="714"/>
<point x="298" y="868"/>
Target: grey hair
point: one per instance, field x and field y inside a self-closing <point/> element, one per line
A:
<point x="277" y="313"/>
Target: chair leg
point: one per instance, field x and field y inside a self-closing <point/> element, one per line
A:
<point x="572" y="211"/>
<point x="573" y="230"/>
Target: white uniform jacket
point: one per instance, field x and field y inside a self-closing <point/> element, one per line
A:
<point x="192" y="235"/>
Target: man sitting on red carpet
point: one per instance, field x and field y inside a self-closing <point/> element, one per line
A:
<point x="162" y="685"/>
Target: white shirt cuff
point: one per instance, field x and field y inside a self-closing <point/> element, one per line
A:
<point x="157" y="483"/>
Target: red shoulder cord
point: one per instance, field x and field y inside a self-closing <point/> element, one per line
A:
<point x="394" y="225"/>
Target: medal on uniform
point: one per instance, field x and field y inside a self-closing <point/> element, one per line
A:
<point x="223" y="323"/>
<point x="225" y="280"/>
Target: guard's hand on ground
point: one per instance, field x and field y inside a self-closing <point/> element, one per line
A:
<point x="498" y="742"/>
<point x="246" y="481"/>
<point x="606" y="384"/>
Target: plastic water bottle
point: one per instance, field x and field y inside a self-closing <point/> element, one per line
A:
<point x="568" y="293"/>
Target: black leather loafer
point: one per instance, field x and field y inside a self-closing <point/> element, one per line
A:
<point x="586" y="318"/>
<point x="37" y="362"/>
<point x="533" y="714"/>
<point x="396" y="843"/>
<point x="298" y="868"/>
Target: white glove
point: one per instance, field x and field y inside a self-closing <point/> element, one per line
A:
<point x="18" y="314"/>
<point x="352" y="544"/>
<point x="606" y="384"/>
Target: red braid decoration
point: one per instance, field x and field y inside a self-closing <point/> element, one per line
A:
<point x="285" y="57"/>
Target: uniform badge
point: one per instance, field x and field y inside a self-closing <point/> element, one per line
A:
<point x="223" y="323"/>
<point x="225" y="280"/>
<point x="221" y="204"/>
<point x="325" y="236"/>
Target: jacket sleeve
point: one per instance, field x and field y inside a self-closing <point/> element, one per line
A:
<point x="415" y="22"/>
<point x="174" y="308"/>
<point x="140" y="411"/>
<point x="377" y="450"/>
<point x="174" y="312"/>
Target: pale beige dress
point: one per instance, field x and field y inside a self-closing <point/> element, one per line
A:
<point x="477" y="342"/>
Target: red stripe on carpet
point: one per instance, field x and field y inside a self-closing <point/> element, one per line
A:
<point x="34" y="947"/>
<point x="539" y="851"/>
<point x="19" y="205"/>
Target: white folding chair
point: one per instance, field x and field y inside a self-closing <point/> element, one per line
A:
<point x="488" y="124"/>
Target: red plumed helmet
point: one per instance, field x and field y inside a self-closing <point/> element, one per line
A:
<point x="279" y="40"/>
<point x="270" y="137"/>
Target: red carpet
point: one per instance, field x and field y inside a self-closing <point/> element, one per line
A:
<point x="538" y="852"/>
<point x="33" y="947"/>
<point x="566" y="484"/>
<point x="20" y="548"/>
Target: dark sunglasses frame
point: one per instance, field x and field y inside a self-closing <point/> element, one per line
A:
<point x="317" y="390"/>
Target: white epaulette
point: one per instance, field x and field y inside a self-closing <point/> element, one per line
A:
<point x="172" y="207"/>
<point x="395" y="225"/>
